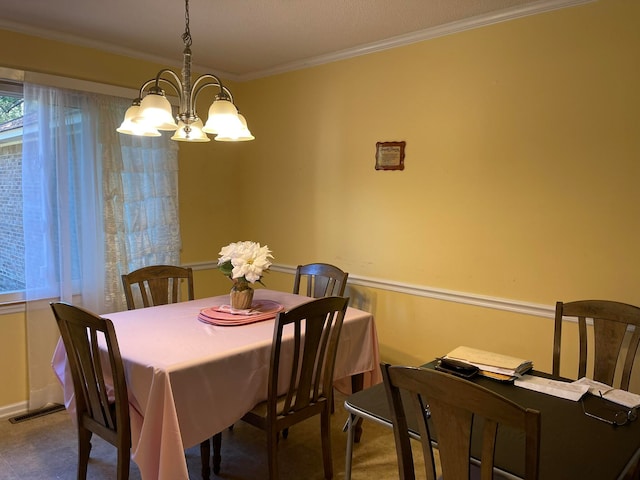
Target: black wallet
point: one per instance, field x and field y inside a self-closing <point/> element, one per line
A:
<point x="456" y="367"/>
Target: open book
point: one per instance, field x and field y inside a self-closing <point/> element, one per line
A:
<point x="493" y="365"/>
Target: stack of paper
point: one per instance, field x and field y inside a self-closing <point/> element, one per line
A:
<point x="494" y="365"/>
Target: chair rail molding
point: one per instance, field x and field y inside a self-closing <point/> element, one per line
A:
<point x="496" y="303"/>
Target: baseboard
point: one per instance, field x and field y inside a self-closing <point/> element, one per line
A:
<point x="13" y="409"/>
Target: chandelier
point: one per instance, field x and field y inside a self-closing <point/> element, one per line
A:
<point x="152" y="112"/>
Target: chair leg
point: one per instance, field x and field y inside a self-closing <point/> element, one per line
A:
<point x="325" y="430"/>
<point x="84" y="448"/>
<point x="272" y="454"/>
<point x="217" y="455"/>
<point x="349" y="456"/>
<point x="357" y="384"/>
<point x="124" y="460"/>
<point x="333" y="402"/>
<point x="205" y="450"/>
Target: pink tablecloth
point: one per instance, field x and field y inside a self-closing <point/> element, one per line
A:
<point x="188" y="380"/>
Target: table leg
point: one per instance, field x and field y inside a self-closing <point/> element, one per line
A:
<point x="217" y="457"/>
<point x="205" y="450"/>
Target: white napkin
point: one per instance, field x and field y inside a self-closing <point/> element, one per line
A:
<point x="236" y="311"/>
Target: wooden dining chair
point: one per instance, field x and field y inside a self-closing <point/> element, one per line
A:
<point x="445" y="408"/>
<point x="320" y="280"/>
<point x="160" y="285"/>
<point x="615" y="344"/>
<point x="307" y="336"/>
<point x="95" y="411"/>
<point x="156" y="285"/>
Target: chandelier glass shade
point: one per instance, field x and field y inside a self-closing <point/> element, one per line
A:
<point x="130" y="127"/>
<point x="193" y="134"/>
<point x="151" y="112"/>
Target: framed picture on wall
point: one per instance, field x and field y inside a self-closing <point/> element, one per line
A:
<point x="390" y="155"/>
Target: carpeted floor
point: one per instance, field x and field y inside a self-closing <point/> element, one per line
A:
<point x="45" y="448"/>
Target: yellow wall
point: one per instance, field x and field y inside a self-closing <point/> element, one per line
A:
<point x="521" y="167"/>
<point x="13" y="359"/>
<point x="520" y="181"/>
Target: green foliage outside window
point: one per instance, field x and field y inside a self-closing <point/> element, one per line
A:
<point x="10" y="108"/>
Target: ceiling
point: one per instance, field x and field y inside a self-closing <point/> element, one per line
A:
<point x="244" y="39"/>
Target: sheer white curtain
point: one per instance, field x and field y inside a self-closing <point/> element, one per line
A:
<point x="140" y="206"/>
<point x="79" y="199"/>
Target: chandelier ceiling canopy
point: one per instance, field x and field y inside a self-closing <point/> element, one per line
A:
<point x="152" y="112"/>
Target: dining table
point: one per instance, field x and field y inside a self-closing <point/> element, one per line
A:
<point x="574" y="444"/>
<point x="189" y="379"/>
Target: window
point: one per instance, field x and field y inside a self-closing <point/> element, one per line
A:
<point x="11" y="237"/>
<point x="61" y="146"/>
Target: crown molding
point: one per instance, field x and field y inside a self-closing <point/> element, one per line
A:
<point x="393" y="42"/>
<point x="103" y="46"/>
<point x="478" y="21"/>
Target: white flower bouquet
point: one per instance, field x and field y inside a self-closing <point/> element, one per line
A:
<point x="244" y="262"/>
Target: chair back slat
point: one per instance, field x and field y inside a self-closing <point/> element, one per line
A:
<point x="454" y="449"/>
<point x="311" y="354"/>
<point x="423" y="428"/>
<point x="582" y="360"/>
<point x="156" y="285"/>
<point x="489" y="437"/>
<point x="608" y="337"/>
<point x="616" y="335"/>
<point x="101" y="405"/>
<point x="320" y="280"/>
<point x="446" y="409"/>
<point x="630" y="358"/>
<point x="290" y="396"/>
<point x="161" y="291"/>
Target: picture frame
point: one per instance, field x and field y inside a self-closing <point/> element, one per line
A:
<point x="390" y="155"/>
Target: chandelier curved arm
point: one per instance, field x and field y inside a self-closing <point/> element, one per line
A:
<point x="200" y="85"/>
<point x="177" y="85"/>
<point x="153" y="82"/>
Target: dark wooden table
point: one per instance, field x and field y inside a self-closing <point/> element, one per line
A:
<point x="573" y="445"/>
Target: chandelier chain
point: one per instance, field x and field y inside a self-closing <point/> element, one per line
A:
<point x="186" y="36"/>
